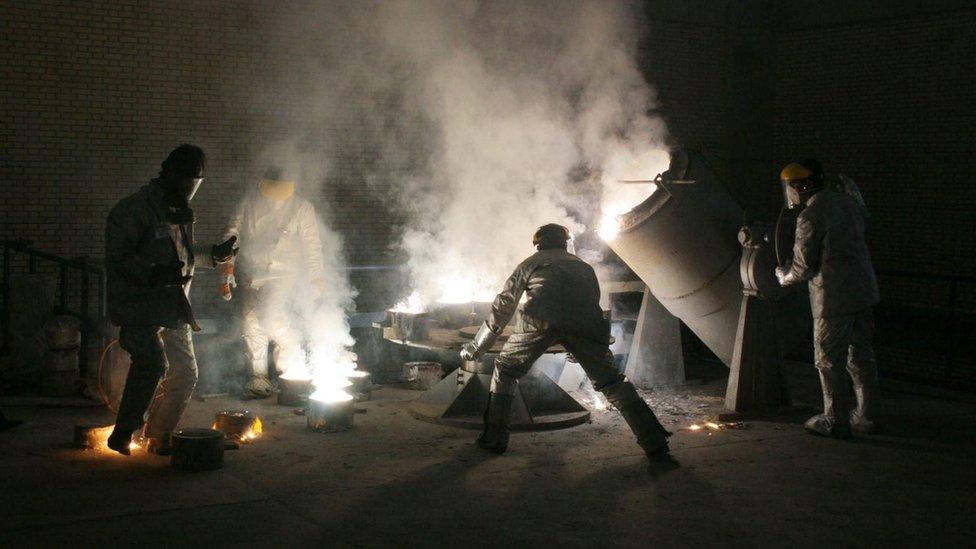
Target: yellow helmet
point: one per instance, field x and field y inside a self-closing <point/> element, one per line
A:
<point x="794" y="172"/>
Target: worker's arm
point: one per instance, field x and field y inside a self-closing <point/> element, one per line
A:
<point x="806" y="254"/>
<point x="308" y="232"/>
<point x="502" y="310"/>
<point x="123" y="255"/>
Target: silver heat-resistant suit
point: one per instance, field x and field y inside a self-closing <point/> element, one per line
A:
<point x="280" y="247"/>
<point x="831" y="253"/>
<point x="562" y="306"/>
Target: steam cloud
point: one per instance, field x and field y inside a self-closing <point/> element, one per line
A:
<point x="487" y="120"/>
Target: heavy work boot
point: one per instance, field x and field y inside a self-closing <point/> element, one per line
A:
<point x="161" y="445"/>
<point x="258" y="386"/>
<point x="864" y="416"/>
<point x="652" y="437"/>
<point x="494" y="437"/>
<point x="834" y="421"/>
<point x="120" y="440"/>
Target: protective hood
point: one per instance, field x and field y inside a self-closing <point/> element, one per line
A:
<point x="277" y="191"/>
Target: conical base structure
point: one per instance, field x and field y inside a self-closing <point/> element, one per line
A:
<point x="460" y="399"/>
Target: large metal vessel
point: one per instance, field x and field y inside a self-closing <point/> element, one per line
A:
<point x="682" y="242"/>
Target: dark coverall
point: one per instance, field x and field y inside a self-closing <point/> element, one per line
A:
<point x="155" y="320"/>
<point x="831" y="253"/>
<point x="562" y="305"/>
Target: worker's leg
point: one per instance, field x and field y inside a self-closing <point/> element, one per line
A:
<point x="288" y="353"/>
<point x="863" y="369"/>
<point x="519" y="353"/>
<point x="255" y="338"/>
<point x="597" y="361"/>
<point x="175" y="389"/>
<point x="148" y="362"/>
<point x="831" y="339"/>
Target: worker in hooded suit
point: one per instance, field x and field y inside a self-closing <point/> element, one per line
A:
<point x="149" y="263"/>
<point x="561" y="306"/>
<point x="280" y="257"/>
<point x="830" y="253"/>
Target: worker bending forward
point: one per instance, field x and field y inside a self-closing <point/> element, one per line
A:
<point x="279" y="261"/>
<point x="149" y="260"/>
<point x="562" y="306"/>
<point x="831" y="253"/>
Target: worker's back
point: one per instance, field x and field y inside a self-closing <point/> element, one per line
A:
<point x="562" y="293"/>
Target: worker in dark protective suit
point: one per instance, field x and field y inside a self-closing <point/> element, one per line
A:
<point x="562" y="306"/>
<point x="831" y="253"/>
<point x="149" y="261"/>
<point x="280" y="262"/>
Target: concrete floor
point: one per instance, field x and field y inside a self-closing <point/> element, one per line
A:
<point x="396" y="481"/>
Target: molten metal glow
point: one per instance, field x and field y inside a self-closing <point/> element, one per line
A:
<point x="329" y="396"/>
<point x="713" y="426"/>
<point x="694" y="427"/>
<point x="628" y="183"/>
<point x="413" y="304"/>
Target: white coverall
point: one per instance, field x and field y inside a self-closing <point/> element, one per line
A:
<point x="280" y="253"/>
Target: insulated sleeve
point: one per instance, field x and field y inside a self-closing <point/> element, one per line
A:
<point x="806" y="251"/>
<point x="308" y="231"/>
<point x="507" y="300"/>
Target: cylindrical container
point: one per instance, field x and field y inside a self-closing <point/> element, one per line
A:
<point x="239" y="425"/>
<point x="361" y="382"/>
<point x="428" y="375"/>
<point x="91" y="436"/>
<point x="409" y="326"/>
<point x="330" y="417"/>
<point x="196" y="449"/>
<point x="410" y="370"/>
<point x="62" y="336"/>
<point x="682" y="242"/>
<point x="62" y="332"/>
<point x="294" y="392"/>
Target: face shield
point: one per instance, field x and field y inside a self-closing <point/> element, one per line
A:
<point x="791" y="196"/>
<point x="189" y="186"/>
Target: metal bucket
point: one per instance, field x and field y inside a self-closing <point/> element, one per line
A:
<point x="428" y="375"/>
<point x="409" y="326"/>
<point x="196" y="449"/>
<point x="294" y="392"/>
<point x="330" y="417"/>
<point x="237" y="425"/>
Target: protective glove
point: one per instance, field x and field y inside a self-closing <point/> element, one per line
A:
<point x="470" y="352"/>
<point x="227" y="280"/>
<point x="181" y="216"/>
<point x="168" y="274"/>
<point x="222" y="253"/>
<point x="783" y="275"/>
<point x="481" y="343"/>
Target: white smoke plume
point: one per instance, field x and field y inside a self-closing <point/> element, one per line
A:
<point x="486" y="119"/>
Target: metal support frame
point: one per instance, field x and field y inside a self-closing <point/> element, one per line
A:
<point x="655" y="358"/>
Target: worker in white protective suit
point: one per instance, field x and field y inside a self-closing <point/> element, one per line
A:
<point x="280" y="260"/>
<point x="831" y="253"/>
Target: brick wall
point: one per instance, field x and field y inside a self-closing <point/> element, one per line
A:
<point x="891" y="104"/>
<point x="96" y="93"/>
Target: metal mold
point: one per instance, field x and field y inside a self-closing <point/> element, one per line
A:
<point x="197" y="449"/>
<point x="330" y="417"/>
<point x="293" y="392"/>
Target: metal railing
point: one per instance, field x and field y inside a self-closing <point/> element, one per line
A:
<point x="65" y="266"/>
